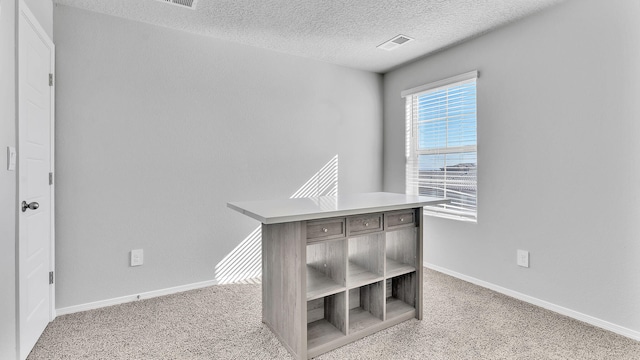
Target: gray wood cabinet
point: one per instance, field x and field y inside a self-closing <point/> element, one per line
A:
<point x="330" y="281"/>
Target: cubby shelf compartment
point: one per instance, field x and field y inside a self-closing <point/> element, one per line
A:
<point x="359" y="275"/>
<point x="396" y="268"/>
<point x="401" y="251"/>
<point x="366" y="260"/>
<point x="319" y="285"/>
<point x="366" y="306"/>
<point x="326" y="320"/>
<point x="326" y="273"/>
<point x="401" y="295"/>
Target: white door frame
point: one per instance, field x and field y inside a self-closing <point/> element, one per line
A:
<point x="25" y="14"/>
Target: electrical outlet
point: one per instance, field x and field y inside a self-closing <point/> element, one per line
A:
<point x="137" y="257"/>
<point x="523" y="258"/>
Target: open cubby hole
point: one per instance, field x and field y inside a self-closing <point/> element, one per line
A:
<point x="326" y="273"/>
<point x="366" y="259"/>
<point x="401" y="295"/>
<point x="401" y="247"/>
<point x="326" y="319"/>
<point x="366" y="306"/>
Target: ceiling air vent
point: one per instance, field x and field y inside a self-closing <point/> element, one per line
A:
<point x="395" y="43"/>
<point x="191" y="4"/>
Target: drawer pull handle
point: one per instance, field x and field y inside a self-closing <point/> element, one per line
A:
<point x="325" y="229"/>
<point x="401" y="219"/>
<point x="366" y="224"/>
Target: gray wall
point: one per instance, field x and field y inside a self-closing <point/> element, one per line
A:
<point x="558" y="157"/>
<point x="158" y="129"/>
<point x="8" y="136"/>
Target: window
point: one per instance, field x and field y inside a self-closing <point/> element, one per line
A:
<point x="441" y="145"/>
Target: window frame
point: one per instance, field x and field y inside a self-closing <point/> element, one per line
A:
<point x="412" y="151"/>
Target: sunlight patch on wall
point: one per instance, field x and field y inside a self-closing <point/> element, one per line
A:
<point x="244" y="263"/>
<point x="323" y="183"/>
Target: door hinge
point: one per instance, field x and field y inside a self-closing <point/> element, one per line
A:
<point x="50" y="277"/>
<point x="50" y="79"/>
<point x="50" y="178"/>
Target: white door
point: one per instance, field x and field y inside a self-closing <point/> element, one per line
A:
<point x="35" y="195"/>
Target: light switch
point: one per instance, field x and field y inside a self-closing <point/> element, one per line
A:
<point x="11" y="158"/>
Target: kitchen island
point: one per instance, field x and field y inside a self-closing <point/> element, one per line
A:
<point x="338" y="268"/>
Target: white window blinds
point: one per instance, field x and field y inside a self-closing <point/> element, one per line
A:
<point x="441" y="145"/>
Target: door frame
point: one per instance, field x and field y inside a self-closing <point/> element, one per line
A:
<point x="25" y="14"/>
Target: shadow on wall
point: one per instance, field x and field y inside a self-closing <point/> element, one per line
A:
<point x="244" y="263"/>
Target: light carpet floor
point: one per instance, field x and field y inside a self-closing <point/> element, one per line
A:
<point x="461" y="321"/>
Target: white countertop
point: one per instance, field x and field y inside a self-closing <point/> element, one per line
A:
<point x="287" y="210"/>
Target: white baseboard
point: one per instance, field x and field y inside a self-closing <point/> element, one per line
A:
<point x="632" y="334"/>
<point x="131" y="298"/>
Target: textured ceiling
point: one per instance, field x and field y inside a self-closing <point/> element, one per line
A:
<point x="343" y="32"/>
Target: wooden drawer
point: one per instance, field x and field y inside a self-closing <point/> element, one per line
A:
<point x="365" y="224"/>
<point x="325" y="229"/>
<point x="400" y="219"/>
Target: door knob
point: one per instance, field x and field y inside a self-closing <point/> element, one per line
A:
<point x="34" y="205"/>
